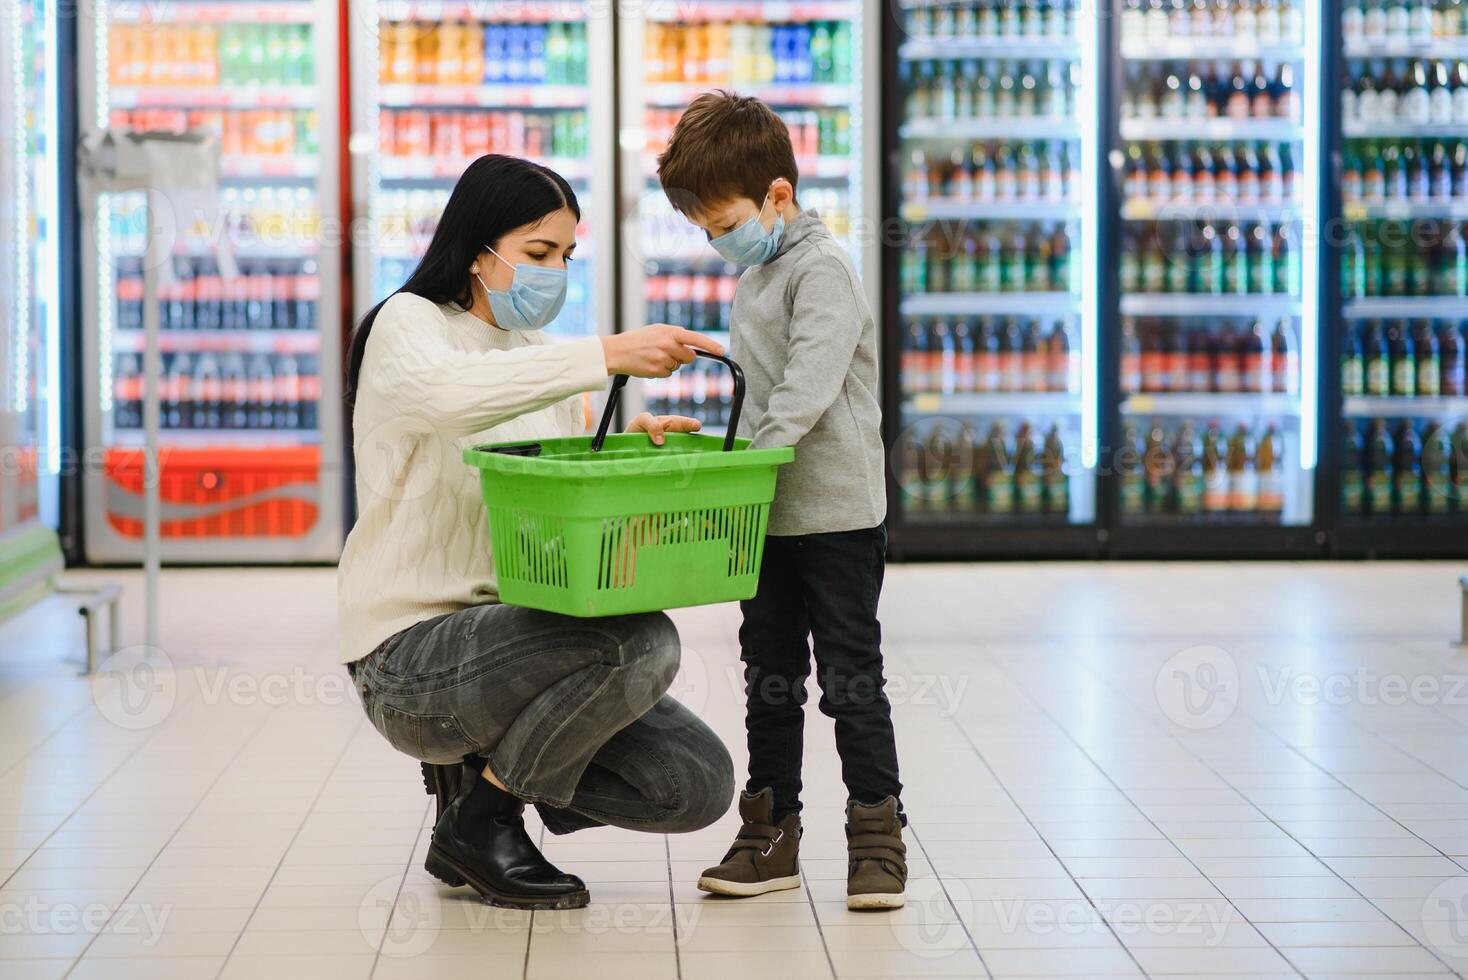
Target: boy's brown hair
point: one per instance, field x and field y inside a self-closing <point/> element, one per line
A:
<point x="725" y="146"/>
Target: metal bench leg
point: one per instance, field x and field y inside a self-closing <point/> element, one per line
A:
<point x="1463" y="629"/>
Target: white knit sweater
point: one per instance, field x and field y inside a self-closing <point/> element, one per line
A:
<point x="435" y="380"/>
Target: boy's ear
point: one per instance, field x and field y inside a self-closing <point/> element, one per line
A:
<point x="781" y="193"/>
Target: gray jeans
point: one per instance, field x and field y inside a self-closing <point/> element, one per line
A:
<point x="571" y="713"/>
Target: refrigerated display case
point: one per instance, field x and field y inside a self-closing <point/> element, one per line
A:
<point x="1398" y="449"/>
<point x="251" y="456"/>
<point x="814" y="63"/>
<point x="991" y="398"/>
<point x="1216" y="330"/>
<point x="29" y="324"/>
<point x="436" y="85"/>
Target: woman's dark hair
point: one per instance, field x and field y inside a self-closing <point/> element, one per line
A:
<point x="495" y="195"/>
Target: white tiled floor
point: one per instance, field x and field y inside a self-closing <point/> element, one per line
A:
<point x="1127" y="770"/>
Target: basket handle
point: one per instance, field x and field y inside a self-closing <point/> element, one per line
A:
<point x="620" y="381"/>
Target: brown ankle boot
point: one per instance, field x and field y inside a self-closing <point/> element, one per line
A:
<point x="876" y="870"/>
<point x="765" y="856"/>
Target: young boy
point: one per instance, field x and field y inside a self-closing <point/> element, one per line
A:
<point x="803" y="333"/>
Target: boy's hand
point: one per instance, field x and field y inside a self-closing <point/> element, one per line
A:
<point x="656" y="425"/>
<point x="655" y="351"/>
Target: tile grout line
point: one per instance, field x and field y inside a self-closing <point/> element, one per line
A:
<point x="1244" y="796"/>
<point x="192" y="810"/>
<point x="815" y="916"/>
<point x="83" y="801"/>
<point x="346" y="746"/>
<point x="1151" y="822"/>
<point x="397" y="896"/>
<point x="1036" y="831"/>
<point x="673" y="908"/>
<point x="951" y="904"/>
<point x="1064" y="867"/>
<point x="529" y="920"/>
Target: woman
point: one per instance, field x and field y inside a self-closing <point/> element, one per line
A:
<point x="570" y="714"/>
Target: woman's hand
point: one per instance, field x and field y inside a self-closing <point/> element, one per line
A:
<point x="656" y="425"/>
<point x="654" y="351"/>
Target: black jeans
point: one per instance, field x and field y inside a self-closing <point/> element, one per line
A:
<point x="572" y="713"/>
<point x="822" y="587"/>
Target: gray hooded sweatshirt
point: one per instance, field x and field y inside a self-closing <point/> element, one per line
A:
<point x="804" y="334"/>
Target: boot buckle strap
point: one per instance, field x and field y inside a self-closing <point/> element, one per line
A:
<point x="876" y="840"/>
<point x="879" y="854"/>
<point x="773" y="841"/>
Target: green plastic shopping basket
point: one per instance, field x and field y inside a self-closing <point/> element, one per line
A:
<point x="607" y="525"/>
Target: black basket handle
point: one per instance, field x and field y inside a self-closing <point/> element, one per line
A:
<point x="620" y="381"/>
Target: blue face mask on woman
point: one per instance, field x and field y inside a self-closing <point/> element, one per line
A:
<point x="750" y="244"/>
<point x="535" y="296"/>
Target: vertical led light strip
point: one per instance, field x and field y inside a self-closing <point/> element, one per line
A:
<point x="1311" y="231"/>
<point x="1086" y="110"/>
<point x="373" y="57"/>
<point x="52" y="438"/>
<point x="106" y="287"/>
<point x="857" y="60"/>
<point x="20" y="398"/>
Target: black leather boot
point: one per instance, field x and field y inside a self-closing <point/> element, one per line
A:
<point x="481" y="841"/>
<point x="443" y="783"/>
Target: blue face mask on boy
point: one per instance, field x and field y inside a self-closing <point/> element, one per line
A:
<point x="750" y="244"/>
<point x="535" y="296"/>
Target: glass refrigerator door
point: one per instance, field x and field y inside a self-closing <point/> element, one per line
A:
<point x="1219" y="145"/>
<point x="1404" y="266"/>
<point x="250" y="443"/>
<point x="436" y="85"/>
<point x="996" y="291"/>
<point x="806" y="61"/>
<point x="29" y="406"/>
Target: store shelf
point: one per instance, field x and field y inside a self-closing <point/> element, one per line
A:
<point x="1223" y="404"/>
<point x="1455" y="209"/>
<point x="1364" y="406"/>
<point x="936" y="209"/>
<point x="450" y="169"/>
<point x="1028" y="403"/>
<point x="1185" y="523"/>
<point x="964" y="520"/>
<point x="219" y="438"/>
<point x="483" y="11"/>
<point x="196" y="249"/>
<point x="1208" y="304"/>
<point x="223" y="341"/>
<point x="1408" y="307"/>
<point x="1208" y="49"/>
<point x="1033" y="48"/>
<point x="997" y="304"/>
<point x="251" y="97"/>
<point x="1266" y="130"/>
<point x="680" y="94"/>
<point x="1219" y="210"/>
<point x="483" y="96"/>
<point x="1401" y="129"/>
<point x="192" y="13"/>
<point x="245" y="168"/>
<point x="1443" y="48"/>
<point x="994" y="128"/>
<point x="769" y="12"/>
